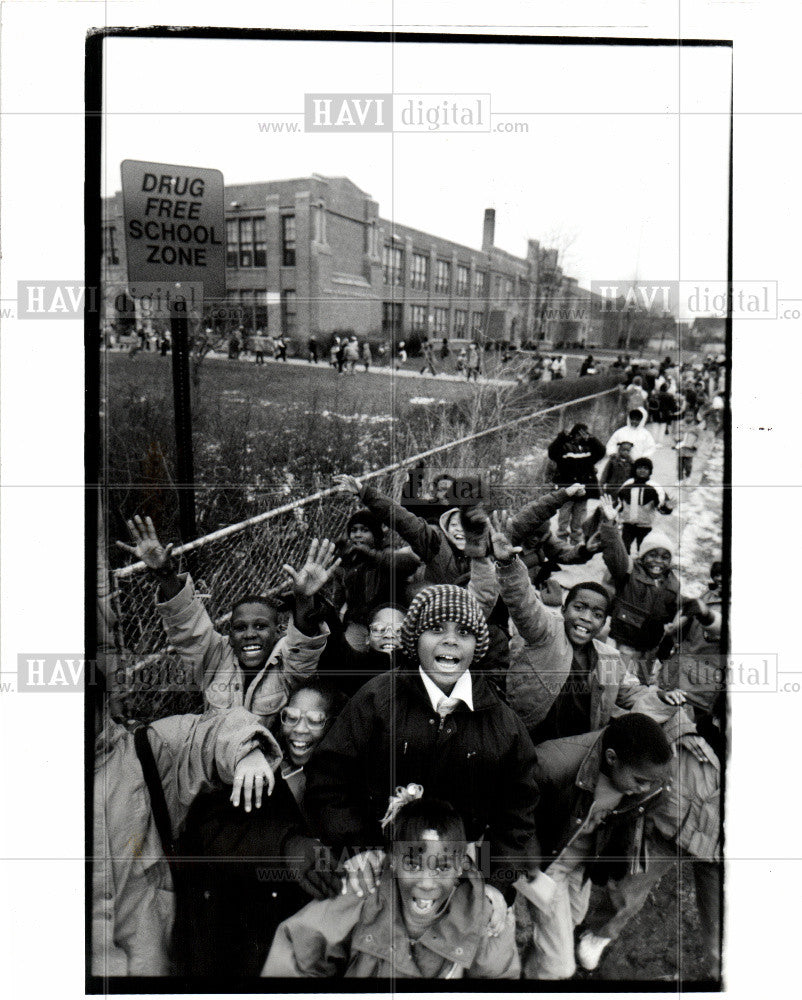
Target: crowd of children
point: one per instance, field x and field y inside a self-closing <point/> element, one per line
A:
<point x="439" y="740"/>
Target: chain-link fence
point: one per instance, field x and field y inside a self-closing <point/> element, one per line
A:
<point x="248" y="557"/>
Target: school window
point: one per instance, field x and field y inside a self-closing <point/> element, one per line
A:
<point x="460" y="322"/>
<point x="392" y="315"/>
<point x="478" y="323"/>
<point x="420" y="271"/>
<point x="508" y="288"/>
<point x="246" y="242"/>
<point x="442" y="277"/>
<point x="109" y="245"/>
<point x="417" y="319"/>
<point x="288" y="241"/>
<point x="463" y="278"/>
<point x="441" y="321"/>
<point x="497" y="284"/>
<point x="289" y="314"/>
<point x="232" y="244"/>
<point x="393" y="265"/>
<point x="261" y="309"/>
<point x="259" y="243"/>
<point x="479" y="280"/>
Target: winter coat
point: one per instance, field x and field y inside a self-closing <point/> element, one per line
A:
<point x="133" y="897"/>
<point x="541" y="658"/>
<point x="444" y="562"/>
<point x="480" y="761"/>
<point x="372" y="576"/>
<point x="210" y="660"/>
<point x="348" y="668"/>
<point x="575" y="460"/>
<point x="616" y="473"/>
<point x="365" y="939"/>
<point x="698" y="664"/>
<point x="640" y="501"/>
<point x="568" y="772"/>
<point x="643" y="606"/>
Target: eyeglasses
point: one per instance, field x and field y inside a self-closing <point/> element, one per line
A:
<point x="291" y="717"/>
<point x="385" y="630"/>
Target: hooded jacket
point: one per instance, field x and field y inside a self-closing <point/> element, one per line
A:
<point x="388" y="734"/>
<point x="366" y="939"/>
<point x="575" y="460"/>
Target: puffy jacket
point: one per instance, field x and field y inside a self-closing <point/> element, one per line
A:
<point x="568" y="772"/>
<point x="643" y="606"/>
<point x="211" y="662"/>
<point x="365" y="939"/>
<point x="444" y="562"/>
<point x="388" y="734"/>
<point x="372" y="576"/>
<point x="541" y="657"/>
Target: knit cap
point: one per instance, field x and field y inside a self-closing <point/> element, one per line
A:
<point x="658" y="540"/>
<point x="367" y="520"/>
<point x="440" y="603"/>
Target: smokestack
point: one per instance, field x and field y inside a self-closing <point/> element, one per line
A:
<point x="489" y="231"/>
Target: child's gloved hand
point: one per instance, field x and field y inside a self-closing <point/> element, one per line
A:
<point x="538" y="890"/>
<point x="499" y="913"/>
<point x="362" y="872"/>
<point x="251" y="776"/>
<point x="575" y="490"/>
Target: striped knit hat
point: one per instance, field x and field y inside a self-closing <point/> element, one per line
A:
<point x="443" y="603"/>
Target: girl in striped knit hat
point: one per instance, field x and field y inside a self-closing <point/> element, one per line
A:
<point x="436" y="724"/>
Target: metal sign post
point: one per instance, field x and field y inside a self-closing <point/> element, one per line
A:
<point x="175" y="250"/>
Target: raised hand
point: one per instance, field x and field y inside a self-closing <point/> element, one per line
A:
<point x="316" y="571"/>
<point x="147" y="546"/>
<point x="500" y="527"/>
<point x="348" y="484"/>
<point x="607" y="509"/>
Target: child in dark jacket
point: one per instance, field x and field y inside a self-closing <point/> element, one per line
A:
<point x="640" y="498"/>
<point x="429" y="918"/>
<point x="436" y="725"/>
<point x="575" y="455"/>
<point x="646" y="593"/>
<point x="618" y="469"/>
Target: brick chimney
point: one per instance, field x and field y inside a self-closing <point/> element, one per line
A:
<point x="489" y="231"/>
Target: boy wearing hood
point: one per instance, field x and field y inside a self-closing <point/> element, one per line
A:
<point x="647" y="594"/>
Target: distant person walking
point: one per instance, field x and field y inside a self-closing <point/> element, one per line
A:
<point x="367" y="354"/>
<point x="428" y="358"/>
<point x="311" y="347"/>
<point x="473" y="362"/>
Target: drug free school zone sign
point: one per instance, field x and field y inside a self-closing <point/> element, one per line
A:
<point x="175" y="228"/>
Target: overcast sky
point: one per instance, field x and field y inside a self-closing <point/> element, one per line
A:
<point x="609" y="171"/>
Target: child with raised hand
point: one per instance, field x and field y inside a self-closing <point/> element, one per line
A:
<point x="429" y="916"/>
<point x="647" y="594"/>
<point x="436" y="724"/>
<point x="441" y="547"/>
<point x="563" y="680"/>
<point x="248" y="666"/>
<point x="133" y="892"/>
<point x="640" y="498"/>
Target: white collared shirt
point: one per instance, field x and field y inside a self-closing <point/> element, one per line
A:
<point x="463" y="689"/>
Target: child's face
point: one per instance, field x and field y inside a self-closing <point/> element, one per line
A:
<point x="360" y="534"/>
<point x="656" y="562"/>
<point x="625" y="450"/>
<point x="427" y="872"/>
<point x="639" y="778"/>
<point x="584" y="617"/>
<point x="455" y="531"/>
<point x="641" y="472"/>
<point x="384" y="633"/>
<point x="445" y="652"/>
<point x="303" y="725"/>
<point x="252" y="633"/>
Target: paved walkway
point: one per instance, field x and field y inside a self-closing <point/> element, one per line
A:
<point x="695" y="523"/>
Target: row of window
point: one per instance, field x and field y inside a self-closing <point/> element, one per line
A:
<point x="246" y="241"/>
<point x="393" y="273"/>
<point x="254" y="307"/>
<point x="418" y="321"/>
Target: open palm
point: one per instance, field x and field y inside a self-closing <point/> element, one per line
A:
<point x="147" y="546"/>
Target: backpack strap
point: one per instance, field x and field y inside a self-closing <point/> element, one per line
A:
<point x="158" y="803"/>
